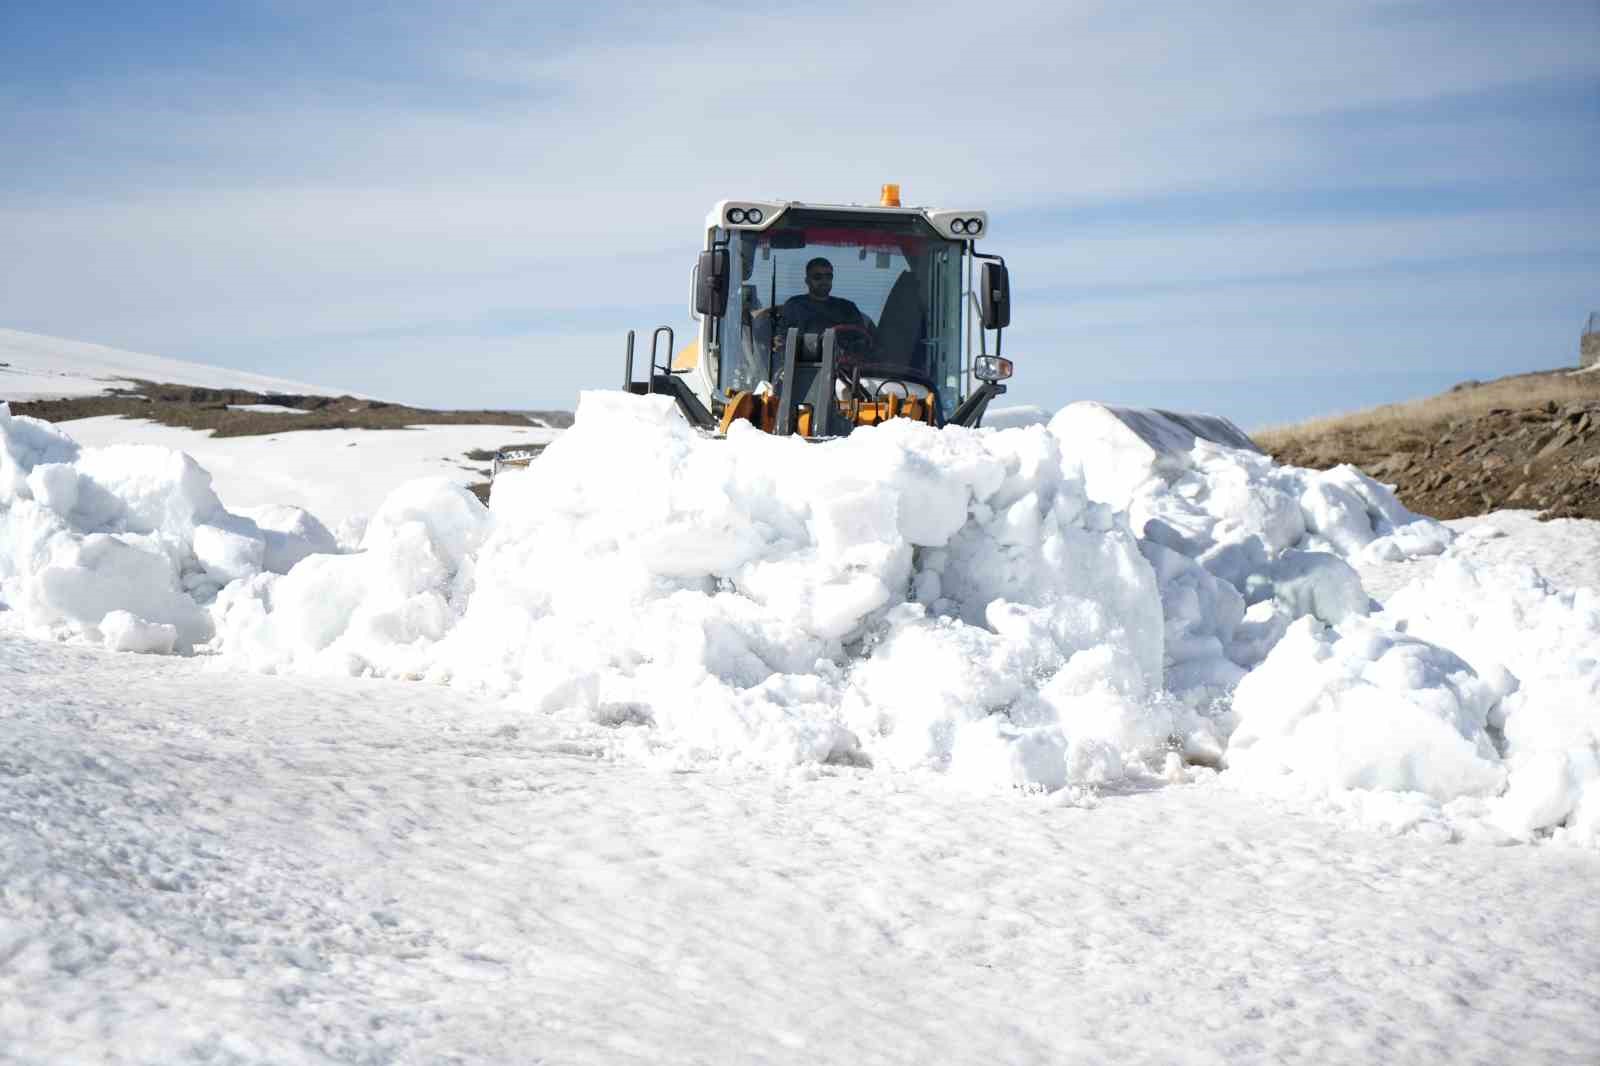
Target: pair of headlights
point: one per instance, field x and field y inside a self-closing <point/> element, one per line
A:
<point x="739" y="216"/>
<point x="970" y="226"/>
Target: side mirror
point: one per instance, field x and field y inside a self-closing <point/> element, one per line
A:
<point x="711" y="283"/>
<point x="995" y="296"/>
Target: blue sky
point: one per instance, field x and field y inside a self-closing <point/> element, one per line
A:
<point x="1265" y="210"/>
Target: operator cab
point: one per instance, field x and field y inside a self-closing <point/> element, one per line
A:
<point x="819" y="318"/>
<point x="890" y="289"/>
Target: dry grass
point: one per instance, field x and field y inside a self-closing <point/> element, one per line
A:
<point x="1393" y="427"/>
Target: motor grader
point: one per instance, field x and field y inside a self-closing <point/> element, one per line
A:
<point x="818" y="319"/>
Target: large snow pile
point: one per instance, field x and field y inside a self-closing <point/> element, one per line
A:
<point x="1242" y="546"/>
<point x="1047" y="605"/>
<point x="126" y="545"/>
<point x="906" y="598"/>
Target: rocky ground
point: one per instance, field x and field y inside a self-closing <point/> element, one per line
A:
<point x="1532" y="441"/>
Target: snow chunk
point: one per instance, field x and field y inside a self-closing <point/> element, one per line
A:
<point x="1366" y="708"/>
<point x="26" y="443"/>
<point x="1196" y="487"/>
<point x="374" y="611"/>
<point x="124" y="631"/>
<point x="229" y="554"/>
<point x="82" y="579"/>
<point x="289" y="534"/>
<point x="1544" y="643"/>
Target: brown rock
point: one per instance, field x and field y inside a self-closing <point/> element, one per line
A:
<point x="1559" y="441"/>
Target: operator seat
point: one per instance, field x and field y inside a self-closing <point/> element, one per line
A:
<point x="900" y="327"/>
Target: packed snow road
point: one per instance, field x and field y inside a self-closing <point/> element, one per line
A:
<point x="203" y="865"/>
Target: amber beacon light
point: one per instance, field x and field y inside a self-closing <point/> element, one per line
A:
<point x="891" y="195"/>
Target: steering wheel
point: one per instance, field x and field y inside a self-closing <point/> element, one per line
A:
<point x="852" y="341"/>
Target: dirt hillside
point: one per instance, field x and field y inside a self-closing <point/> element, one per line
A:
<point x="1531" y="441"/>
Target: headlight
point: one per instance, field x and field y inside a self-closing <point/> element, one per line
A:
<point x="991" y="368"/>
<point x="974" y="226"/>
<point x="958" y="225"/>
<point x="753" y="216"/>
<point x="736" y="215"/>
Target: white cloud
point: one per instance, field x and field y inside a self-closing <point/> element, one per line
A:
<point x="526" y="166"/>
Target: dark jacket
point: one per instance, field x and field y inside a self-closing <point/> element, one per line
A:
<point x="813" y="316"/>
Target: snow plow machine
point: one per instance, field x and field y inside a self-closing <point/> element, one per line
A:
<point x="818" y="319"/>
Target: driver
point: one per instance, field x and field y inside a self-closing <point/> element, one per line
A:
<point x="816" y="310"/>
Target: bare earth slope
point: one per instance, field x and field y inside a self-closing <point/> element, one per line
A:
<point x="1531" y="441"/>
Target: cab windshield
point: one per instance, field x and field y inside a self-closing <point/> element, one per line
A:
<point x="890" y="288"/>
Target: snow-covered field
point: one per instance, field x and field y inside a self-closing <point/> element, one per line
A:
<point x="900" y="748"/>
<point x="340" y="475"/>
<point x="36" y="367"/>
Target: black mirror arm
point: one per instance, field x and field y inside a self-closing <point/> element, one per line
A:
<point x="971" y="412"/>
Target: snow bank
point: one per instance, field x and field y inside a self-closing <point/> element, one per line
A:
<point x="1242" y="545"/>
<point x="1367" y="708"/>
<point x="1508" y="716"/>
<point x="127" y="544"/>
<point x="1475" y="685"/>
<point x="905" y="597"/>
<point x="1473" y="696"/>
<point x="1042" y="606"/>
<point x="1543" y="647"/>
<point x="376" y="611"/>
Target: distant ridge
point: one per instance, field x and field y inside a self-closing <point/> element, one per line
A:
<point x="34" y="366"/>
